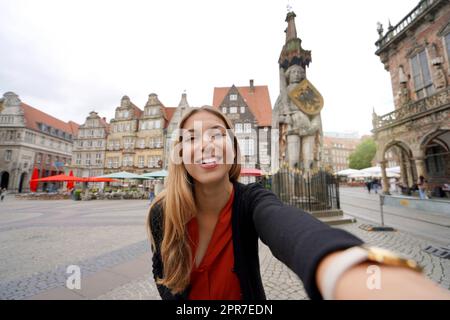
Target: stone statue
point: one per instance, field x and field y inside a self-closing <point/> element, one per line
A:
<point x="440" y="80"/>
<point x="300" y="134"/>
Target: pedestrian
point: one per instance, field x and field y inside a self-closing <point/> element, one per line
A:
<point x="205" y="226"/>
<point x="2" y="193"/>
<point x="375" y="185"/>
<point x="422" y="186"/>
<point x="369" y="185"/>
<point x="151" y="194"/>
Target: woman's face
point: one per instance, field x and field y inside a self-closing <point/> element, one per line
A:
<point x="207" y="148"/>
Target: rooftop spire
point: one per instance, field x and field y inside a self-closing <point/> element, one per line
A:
<point x="291" y="31"/>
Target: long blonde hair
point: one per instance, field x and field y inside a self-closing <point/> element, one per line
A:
<point x="179" y="208"/>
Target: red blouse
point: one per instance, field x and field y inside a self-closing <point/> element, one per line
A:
<point x="214" y="278"/>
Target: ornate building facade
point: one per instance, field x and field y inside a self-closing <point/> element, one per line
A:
<point x="30" y="138"/>
<point x="249" y="109"/>
<point x="88" y="158"/>
<point x="120" y="143"/>
<point x="416" y="52"/>
<point x="150" y="137"/>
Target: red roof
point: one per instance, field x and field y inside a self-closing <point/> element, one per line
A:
<point x="169" y="113"/>
<point x="34" y="116"/>
<point x="258" y="101"/>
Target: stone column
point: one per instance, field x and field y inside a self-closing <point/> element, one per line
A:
<point x="420" y="167"/>
<point x="410" y="173"/>
<point x="403" y="170"/>
<point x="384" y="177"/>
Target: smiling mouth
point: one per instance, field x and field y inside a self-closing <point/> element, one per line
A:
<point x="208" y="163"/>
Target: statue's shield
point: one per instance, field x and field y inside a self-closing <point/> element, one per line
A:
<point x="307" y="98"/>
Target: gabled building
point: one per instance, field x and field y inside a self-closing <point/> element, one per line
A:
<point x="30" y="138"/>
<point x="88" y="158"/>
<point x="149" y="154"/>
<point x="249" y="109"/>
<point x="174" y="116"/>
<point x="120" y="147"/>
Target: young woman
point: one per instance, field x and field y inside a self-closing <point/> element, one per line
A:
<point x="204" y="230"/>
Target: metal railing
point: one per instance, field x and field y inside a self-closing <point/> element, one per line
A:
<point x="312" y="192"/>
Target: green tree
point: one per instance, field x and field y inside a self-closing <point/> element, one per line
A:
<point x="362" y="157"/>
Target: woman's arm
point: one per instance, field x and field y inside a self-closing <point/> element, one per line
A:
<point x="395" y="283"/>
<point x="295" y="237"/>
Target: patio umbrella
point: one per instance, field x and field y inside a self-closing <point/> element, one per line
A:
<point x="123" y="175"/>
<point x="59" y="178"/>
<point x="34" y="184"/>
<point x="347" y="172"/>
<point x="357" y="175"/>
<point x="156" y="174"/>
<point x="247" y="172"/>
<point x="70" y="184"/>
<point x="95" y="179"/>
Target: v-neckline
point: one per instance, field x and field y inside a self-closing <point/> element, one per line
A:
<point x="196" y="230"/>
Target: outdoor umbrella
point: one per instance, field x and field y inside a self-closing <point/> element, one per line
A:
<point x="347" y="172"/>
<point x="123" y="175"/>
<point x="58" y="178"/>
<point x="156" y="174"/>
<point x="34" y="184"/>
<point x="70" y="184"/>
<point x="95" y="179"/>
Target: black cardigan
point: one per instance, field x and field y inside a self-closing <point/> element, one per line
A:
<point x="294" y="237"/>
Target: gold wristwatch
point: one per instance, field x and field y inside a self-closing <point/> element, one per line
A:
<point x="356" y="255"/>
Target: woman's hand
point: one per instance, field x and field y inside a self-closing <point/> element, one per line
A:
<point x="396" y="283"/>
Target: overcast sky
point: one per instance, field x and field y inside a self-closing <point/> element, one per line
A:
<point x="70" y="57"/>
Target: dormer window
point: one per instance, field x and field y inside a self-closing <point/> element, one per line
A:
<point x="233" y="97"/>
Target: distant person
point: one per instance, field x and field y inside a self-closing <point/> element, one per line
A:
<point x="375" y="185"/>
<point x="2" y="194"/>
<point x="422" y="186"/>
<point x="369" y="186"/>
<point x="152" y="194"/>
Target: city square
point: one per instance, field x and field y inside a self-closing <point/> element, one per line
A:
<point x="108" y="241"/>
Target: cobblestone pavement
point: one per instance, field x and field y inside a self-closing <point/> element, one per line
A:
<point x="41" y="238"/>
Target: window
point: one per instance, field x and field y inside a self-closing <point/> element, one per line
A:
<point x="247" y="147"/>
<point x="233" y="109"/>
<point x="233" y="97"/>
<point x="141" y="160"/>
<point x="247" y="127"/>
<point x="238" y="127"/>
<point x="110" y="162"/>
<point x="38" y="158"/>
<point x="99" y="143"/>
<point x="423" y="85"/>
<point x="224" y="110"/>
<point x="88" y="159"/>
<point x="142" y="143"/>
<point x="98" y="158"/>
<point x="242" y="109"/>
<point x="8" y="155"/>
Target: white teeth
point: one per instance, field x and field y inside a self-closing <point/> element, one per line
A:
<point x="207" y="161"/>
